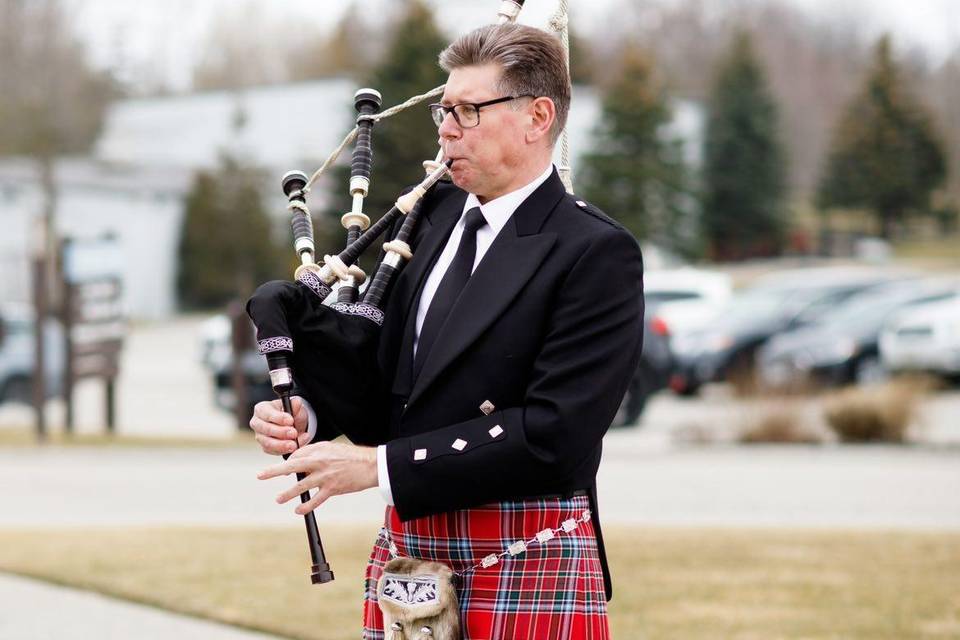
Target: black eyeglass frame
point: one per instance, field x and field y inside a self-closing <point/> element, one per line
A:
<point x="443" y="110"/>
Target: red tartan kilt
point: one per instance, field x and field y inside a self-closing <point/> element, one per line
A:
<point x="552" y="591"/>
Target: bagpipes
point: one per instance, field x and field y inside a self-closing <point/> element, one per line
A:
<point x="335" y="344"/>
<point x="330" y="347"/>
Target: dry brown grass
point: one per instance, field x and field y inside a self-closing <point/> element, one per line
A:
<point x="693" y="584"/>
<point x="781" y="423"/>
<point x="880" y="413"/>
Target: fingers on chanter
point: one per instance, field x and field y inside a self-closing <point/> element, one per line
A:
<point x="318" y="498"/>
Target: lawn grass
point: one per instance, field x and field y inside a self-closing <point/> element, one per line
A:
<point x="941" y="252"/>
<point x="688" y="584"/>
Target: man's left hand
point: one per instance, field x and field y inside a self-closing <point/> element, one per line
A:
<point x="333" y="468"/>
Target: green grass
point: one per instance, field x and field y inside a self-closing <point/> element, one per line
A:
<point x="670" y="583"/>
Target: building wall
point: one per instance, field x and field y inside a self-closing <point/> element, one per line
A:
<point x="93" y="201"/>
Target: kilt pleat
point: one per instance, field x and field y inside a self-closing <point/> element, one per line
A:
<point x="553" y="591"/>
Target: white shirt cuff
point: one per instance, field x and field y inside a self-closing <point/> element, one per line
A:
<point x="383" y="477"/>
<point x="311" y="420"/>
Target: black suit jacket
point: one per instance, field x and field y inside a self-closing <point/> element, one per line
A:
<point x="548" y="330"/>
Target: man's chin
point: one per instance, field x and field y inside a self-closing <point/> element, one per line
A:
<point x="460" y="179"/>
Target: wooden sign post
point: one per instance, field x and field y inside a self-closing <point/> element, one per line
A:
<point x="93" y="327"/>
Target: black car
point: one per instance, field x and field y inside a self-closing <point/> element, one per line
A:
<point x="655" y="368"/>
<point x="844" y="346"/>
<point x="726" y="351"/>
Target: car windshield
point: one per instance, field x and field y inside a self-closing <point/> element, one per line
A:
<point x="756" y="305"/>
<point x="752" y="305"/>
<point x="669" y="296"/>
<point x="868" y="312"/>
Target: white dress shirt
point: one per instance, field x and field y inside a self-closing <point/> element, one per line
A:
<point x="496" y="212"/>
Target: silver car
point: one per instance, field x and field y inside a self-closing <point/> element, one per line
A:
<point x="17" y="327"/>
<point x="926" y="338"/>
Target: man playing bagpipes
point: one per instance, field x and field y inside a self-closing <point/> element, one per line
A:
<point x="507" y="345"/>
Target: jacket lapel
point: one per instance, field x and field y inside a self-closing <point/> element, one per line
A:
<point x="434" y="229"/>
<point x="508" y="265"/>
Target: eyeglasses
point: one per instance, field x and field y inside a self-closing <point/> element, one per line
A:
<point x="466" y="114"/>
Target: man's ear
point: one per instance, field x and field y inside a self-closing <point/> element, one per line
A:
<point x="542" y="114"/>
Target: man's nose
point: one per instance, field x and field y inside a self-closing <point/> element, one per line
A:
<point x="449" y="127"/>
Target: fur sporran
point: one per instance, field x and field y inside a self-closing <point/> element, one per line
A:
<point x="418" y="600"/>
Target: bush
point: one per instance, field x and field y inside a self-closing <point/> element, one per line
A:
<point x="880" y="413"/>
<point x="781" y="424"/>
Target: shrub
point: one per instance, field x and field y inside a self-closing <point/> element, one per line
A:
<point x="780" y="424"/>
<point x="881" y="413"/>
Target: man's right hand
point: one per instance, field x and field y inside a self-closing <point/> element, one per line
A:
<point x="277" y="432"/>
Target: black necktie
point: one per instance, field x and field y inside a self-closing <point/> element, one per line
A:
<point x="450" y="287"/>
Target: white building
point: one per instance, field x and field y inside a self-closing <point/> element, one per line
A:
<point x="134" y="183"/>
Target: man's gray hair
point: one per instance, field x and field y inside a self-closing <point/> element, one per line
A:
<point x="532" y="63"/>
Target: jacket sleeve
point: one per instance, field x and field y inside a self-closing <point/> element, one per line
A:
<point x="589" y="354"/>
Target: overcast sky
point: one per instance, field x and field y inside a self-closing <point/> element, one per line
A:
<point x="165" y="34"/>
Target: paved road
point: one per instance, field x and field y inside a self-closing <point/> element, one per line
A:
<point x="643" y="480"/>
<point x="35" y="610"/>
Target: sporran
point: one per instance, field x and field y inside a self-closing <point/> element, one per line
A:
<point x="418" y="600"/>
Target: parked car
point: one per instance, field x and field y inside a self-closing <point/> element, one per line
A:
<point x="925" y="339"/>
<point x="844" y="346"/>
<point x="725" y="350"/>
<point x="216" y="353"/>
<point x="651" y="375"/>
<point x="687" y="299"/>
<point x="17" y="354"/>
<point x="685" y="294"/>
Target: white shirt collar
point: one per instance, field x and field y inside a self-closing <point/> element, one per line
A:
<point x="498" y="211"/>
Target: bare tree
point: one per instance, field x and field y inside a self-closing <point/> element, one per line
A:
<point x="351" y="49"/>
<point x="244" y="48"/>
<point x="51" y="101"/>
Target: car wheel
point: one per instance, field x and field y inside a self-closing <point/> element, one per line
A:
<point x="633" y="402"/>
<point x="869" y="370"/>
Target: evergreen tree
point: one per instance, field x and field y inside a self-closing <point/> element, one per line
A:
<point x="635" y="174"/>
<point x="226" y="246"/>
<point x="400" y="143"/>
<point x="581" y="59"/>
<point x="744" y="166"/>
<point x="884" y="156"/>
